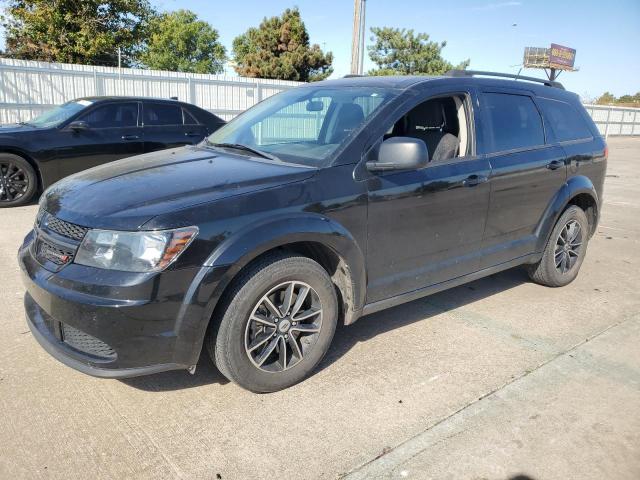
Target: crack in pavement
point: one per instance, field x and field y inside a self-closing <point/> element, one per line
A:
<point x="412" y="447"/>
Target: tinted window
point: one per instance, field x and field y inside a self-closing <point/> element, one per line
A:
<point x="515" y="121"/>
<point x="162" y="114"/>
<point x="188" y="117"/>
<point x="566" y="121"/>
<point x="112" y="115"/>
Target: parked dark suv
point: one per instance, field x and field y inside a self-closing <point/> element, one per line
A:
<point x="317" y="206"/>
<point x="91" y="131"/>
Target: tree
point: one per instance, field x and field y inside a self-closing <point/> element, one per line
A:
<point x="606" y="99"/>
<point x="279" y="48"/>
<point x="402" y="52"/>
<point x="178" y="41"/>
<point x="73" y="31"/>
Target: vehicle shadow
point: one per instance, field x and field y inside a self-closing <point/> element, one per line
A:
<point x="206" y="374"/>
<point x="423" y="309"/>
<point x="347" y="337"/>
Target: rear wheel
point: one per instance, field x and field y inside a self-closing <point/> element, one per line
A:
<point x="18" y="181"/>
<point x="275" y="325"/>
<point x="565" y="250"/>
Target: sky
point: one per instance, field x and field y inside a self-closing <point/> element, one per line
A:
<point x="491" y="33"/>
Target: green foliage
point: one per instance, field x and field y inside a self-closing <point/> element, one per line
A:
<point x="402" y="52"/>
<point x="279" y="48"/>
<point x="625" y="100"/>
<point x="178" y="41"/>
<point x="74" y="31"/>
<point x="606" y="98"/>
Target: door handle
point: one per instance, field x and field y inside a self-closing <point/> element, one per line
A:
<point x="191" y="134"/>
<point x="130" y="137"/>
<point x="473" y="180"/>
<point x="556" y="164"/>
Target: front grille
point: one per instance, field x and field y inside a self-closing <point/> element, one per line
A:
<point x="86" y="343"/>
<point x="57" y="255"/>
<point x="66" y="229"/>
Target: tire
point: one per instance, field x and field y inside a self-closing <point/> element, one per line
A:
<point x="247" y="328"/>
<point x="19" y="181"/>
<point x="560" y="265"/>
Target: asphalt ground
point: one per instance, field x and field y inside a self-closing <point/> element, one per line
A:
<point x="490" y="380"/>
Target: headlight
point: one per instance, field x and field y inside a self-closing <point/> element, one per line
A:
<point x="133" y="251"/>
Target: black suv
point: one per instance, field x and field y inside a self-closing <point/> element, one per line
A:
<point x="91" y="131"/>
<point x="317" y="206"/>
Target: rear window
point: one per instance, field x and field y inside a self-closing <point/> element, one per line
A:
<point x="162" y="114"/>
<point x="514" y="122"/>
<point x="565" y="120"/>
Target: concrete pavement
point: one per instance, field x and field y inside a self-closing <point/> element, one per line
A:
<point x="490" y="380"/>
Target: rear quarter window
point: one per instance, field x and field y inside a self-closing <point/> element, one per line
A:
<point x="565" y="120"/>
<point x="515" y="122"/>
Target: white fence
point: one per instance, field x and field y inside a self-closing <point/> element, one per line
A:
<point x="28" y="88"/>
<point x="615" y="120"/>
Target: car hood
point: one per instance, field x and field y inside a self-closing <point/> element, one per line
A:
<point x="127" y="193"/>
<point x="16" y="128"/>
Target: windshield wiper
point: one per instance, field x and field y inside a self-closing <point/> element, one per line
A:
<point x="246" y="148"/>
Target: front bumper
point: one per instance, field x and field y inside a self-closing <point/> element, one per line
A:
<point x="117" y="324"/>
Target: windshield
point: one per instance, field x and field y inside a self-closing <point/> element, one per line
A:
<point x="57" y="115"/>
<point x="303" y="125"/>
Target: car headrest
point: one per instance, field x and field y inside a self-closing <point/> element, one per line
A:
<point x="426" y="117"/>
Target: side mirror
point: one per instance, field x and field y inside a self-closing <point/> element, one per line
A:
<point x="400" y="153"/>
<point x="78" y="126"/>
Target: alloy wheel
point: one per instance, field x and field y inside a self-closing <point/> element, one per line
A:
<point x="568" y="246"/>
<point x="14" y="182"/>
<point x="283" y="326"/>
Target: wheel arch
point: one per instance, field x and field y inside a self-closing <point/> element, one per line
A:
<point x="29" y="159"/>
<point x="310" y="235"/>
<point x="579" y="191"/>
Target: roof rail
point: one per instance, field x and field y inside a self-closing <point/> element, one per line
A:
<point x="354" y="75"/>
<point x="473" y="73"/>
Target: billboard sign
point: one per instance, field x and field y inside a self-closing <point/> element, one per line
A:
<point x="561" y="57"/>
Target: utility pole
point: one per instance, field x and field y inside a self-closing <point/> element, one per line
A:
<point x="357" y="42"/>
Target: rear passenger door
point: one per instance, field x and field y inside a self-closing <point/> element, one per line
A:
<point x="526" y="173"/>
<point x="164" y="126"/>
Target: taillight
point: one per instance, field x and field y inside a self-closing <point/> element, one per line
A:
<point x="606" y="152"/>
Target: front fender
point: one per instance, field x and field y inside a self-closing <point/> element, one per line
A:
<point x="247" y="244"/>
<point x="235" y="252"/>
<point x="573" y="187"/>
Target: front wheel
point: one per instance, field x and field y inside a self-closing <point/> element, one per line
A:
<point x="18" y="181"/>
<point x="275" y="325"/>
<point x="565" y="250"/>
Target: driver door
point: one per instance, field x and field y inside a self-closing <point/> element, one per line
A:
<point x="112" y="132"/>
<point x="426" y="226"/>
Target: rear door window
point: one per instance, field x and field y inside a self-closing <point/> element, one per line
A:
<point x="112" y="115"/>
<point x="565" y="120"/>
<point x="162" y="114"/>
<point x="514" y="122"/>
